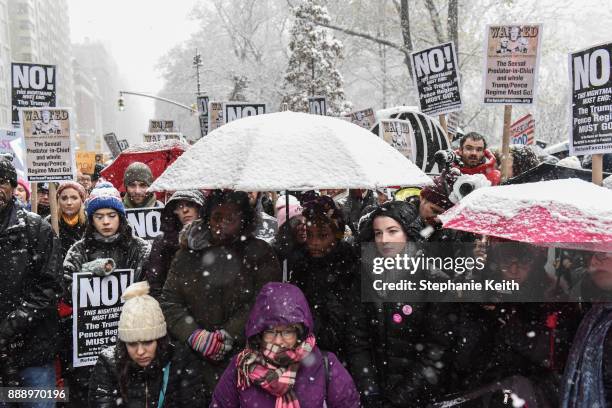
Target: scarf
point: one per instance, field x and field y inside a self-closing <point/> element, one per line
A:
<point x="71" y="221"/>
<point x="274" y="369"/>
<point x="107" y="240"/>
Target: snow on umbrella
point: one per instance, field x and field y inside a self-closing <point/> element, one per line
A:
<point x="290" y="151"/>
<point x="157" y="155"/>
<point x="569" y="213"/>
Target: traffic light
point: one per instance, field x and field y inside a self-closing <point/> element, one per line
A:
<point x="121" y="103"/>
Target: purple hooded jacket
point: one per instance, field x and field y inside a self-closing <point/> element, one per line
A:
<point x="283" y="304"/>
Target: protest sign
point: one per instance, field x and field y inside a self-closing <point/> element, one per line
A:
<point x="453" y="125"/>
<point x="86" y="162"/>
<point x="96" y="306"/>
<point x="156" y="126"/>
<point x="522" y="132"/>
<point x="591" y="100"/>
<point x="436" y="74"/>
<point x="33" y="86"/>
<point x="239" y="110"/>
<point x="50" y="156"/>
<point x="215" y="115"/>
<point x="112" y="143"/>
<point x="317" y="105"/>
<point x="156" y="137"/>
<point x="11" y="141"/>
<point x="364" y="118"/>
<point x="511" y="63"/>
<point x="203" y="109"/>
<point x="145" y="222"/>
<point x="123" y="144"/>
<point x="399" y="134"/>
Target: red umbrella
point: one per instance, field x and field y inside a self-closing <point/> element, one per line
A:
<point x="157" y="155"/>
<point x="568" y="213"/>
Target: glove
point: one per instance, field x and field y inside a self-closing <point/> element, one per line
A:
<point x="99" y="267"/>
<point x="212" y="345"/>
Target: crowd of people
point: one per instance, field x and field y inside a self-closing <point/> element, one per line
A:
<point x="251" y="299"/>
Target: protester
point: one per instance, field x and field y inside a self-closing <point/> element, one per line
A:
<point x="136" y="180"/>
<point x="477" y="158"/>
<point x="71" y="216"/>
<point x="328" y="274"/>
<point x="29" y="286"/>
<point x="42" y="197"/>
<point x="108" y="244"/>
<point x="588" y="375"/>
<point x="522" y="158"/>
<point x="282" y="364"/>
<point x="22" y="192"/>
<point x="145" y="368"/>
<point x="353" y="207"/>
<point x="214" y="279"/>
<point x="267" y="225"/>
<point x="182" y="208"/>
<point x="290" y="241"/>
<point x="411" y="341"/>
<point x="85" y="180"/>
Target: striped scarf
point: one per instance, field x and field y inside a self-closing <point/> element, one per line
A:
<point x="274" y="369"/>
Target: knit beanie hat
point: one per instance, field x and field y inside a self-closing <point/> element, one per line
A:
<point x="439" y="192"/>
<point x="141" y="317"/>
<point x="7" y="169"/>
<point x="104" y="195"/>
<point x="26" y="187"/>
<point x="294" y="210"/>
<point x="282" y="201"/>
<point x="138" y="171"/>
<point x="71" y="184"/>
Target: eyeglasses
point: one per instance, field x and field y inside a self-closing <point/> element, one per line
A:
<point x="287" y="334"/>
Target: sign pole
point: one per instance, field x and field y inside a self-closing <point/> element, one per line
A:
<point x="442" y="119"/>
<point x="506" y="142"/>
<point x="597" y="169"/>
<point x="34" y="197"/>
<point x="53" y="207"/>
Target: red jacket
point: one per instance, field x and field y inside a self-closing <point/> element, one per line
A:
<point x="487" y="168"/>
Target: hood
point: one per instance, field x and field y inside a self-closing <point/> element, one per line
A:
<point x="488" y="165"/>
<point x="170" y="222"/>
<point x="278" y="304"/>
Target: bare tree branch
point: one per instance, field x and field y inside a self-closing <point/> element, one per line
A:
<point x="435" y="20"/>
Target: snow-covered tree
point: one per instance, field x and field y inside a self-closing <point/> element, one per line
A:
<point x="313" y="63"/>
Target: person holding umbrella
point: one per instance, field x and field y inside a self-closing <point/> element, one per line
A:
<point x="214" y="279"/>
<point x="282" y="364"/>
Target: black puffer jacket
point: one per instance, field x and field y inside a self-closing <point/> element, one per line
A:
<point x="332" y="286"/>
<point x="30" y="278"/>
<point x="68" y="234"/>
<point x="184" y="387"/>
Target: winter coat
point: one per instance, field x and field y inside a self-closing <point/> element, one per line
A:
<point x="332" y="286"/>
<point x="587" y="381"/>
<point x="68" y="234"/>
<point x="30" y="279"/>
<point x="352" y="209"/>
<point x="184" y="387"/>
<point x="165" y="245"/>
<point x="213" y="287"/>
<point x="282" y="304"/>
<point x="487" y="168"/>
<point x="128" y="252"/>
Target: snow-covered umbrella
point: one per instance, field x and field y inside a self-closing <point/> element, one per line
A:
<point x="569" y="213"/>
<point x="290" y="151"/>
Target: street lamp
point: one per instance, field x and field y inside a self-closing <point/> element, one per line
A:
<point x="121" y="103"/>
<point x="193" y="108"/>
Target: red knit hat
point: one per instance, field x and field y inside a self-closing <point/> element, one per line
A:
<point x="71" y="184"/>
<point x="439" y="192"/>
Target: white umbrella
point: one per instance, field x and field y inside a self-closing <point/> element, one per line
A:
<point x="290" y="151"/>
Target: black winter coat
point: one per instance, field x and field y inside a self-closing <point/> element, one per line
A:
<point x="68" y="234"/>
<point x="30" y="278"/>
<point x="332" y="287"/>
<point x="184" y="387"/>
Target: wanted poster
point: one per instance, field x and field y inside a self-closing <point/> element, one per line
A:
<point x="399" y="134"/>
<point x="364" y="118"/>
<point x="436" y="75"/>
<point x="33" y="86"/>
<point x="511" y="63"/>
<point x="159" y="136"/>
<point x="49" y="151"/>
<point x="591" y="100"/>
<point x="215" y="115"/>
<point x="96" y="306"/>
<point x="158" y="126"/>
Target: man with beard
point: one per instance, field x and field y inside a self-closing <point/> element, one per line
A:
<point x="476" y="158"/>
<point x="137" y="179"/>
<point x="30" y="284"/>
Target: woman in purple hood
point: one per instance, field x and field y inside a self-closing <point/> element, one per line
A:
<point x="281" y="365"/>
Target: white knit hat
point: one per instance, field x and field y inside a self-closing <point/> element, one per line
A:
<point x="141" y="317"/>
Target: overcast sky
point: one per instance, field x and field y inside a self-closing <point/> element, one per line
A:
<point x="136" y="32"/>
